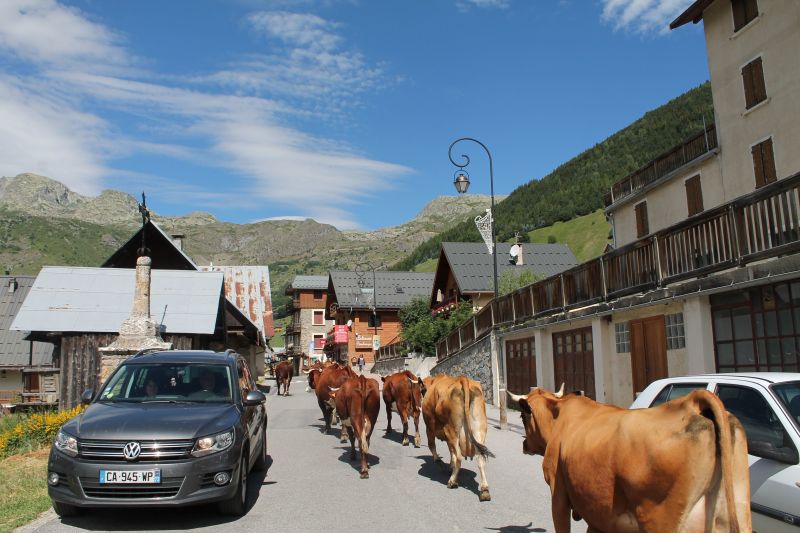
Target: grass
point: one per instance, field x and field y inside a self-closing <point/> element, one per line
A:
<point x="24" y="489"/>
<point x="586" y="235"/>
<point x="427" y="266"/>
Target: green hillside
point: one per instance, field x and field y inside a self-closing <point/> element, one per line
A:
<point x="577" y="187"/>
<point x="29" y="242"/>
<point x="586" y="236"/>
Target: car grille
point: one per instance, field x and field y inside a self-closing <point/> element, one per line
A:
<point x="168" y="488"/>
<point x="111" y="450"/>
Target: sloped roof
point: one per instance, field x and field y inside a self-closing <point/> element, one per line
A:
<point x="247" y="287"/>
<point x="394" y="289"/>
<point x="310" y="282"/>
<point x="693" y="13"/>
<point x="164" y="252"/>
<point x="100" y="299"/>
<point x="472" y="268"/>
<point x="15" y="351"/>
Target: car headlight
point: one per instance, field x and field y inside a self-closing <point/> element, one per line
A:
<point x="66" y="443"/>
<point x="213" y="443"/>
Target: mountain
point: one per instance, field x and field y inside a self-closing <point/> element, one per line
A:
<point x="43" y="222"/>
<point x="577" y="187"/>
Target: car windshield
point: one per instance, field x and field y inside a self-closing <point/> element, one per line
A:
<point x="789" y="395"/>
<point x="169" y="382"/>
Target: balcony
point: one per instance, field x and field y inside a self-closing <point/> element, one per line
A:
<point x="695" y="147"/>
<point x="760" y="225"/>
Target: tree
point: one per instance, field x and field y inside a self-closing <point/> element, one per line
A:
<point x="511" y="280"/>
<point x="421" y="330"/>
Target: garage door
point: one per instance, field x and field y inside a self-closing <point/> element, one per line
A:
<point x="573" y="359"/>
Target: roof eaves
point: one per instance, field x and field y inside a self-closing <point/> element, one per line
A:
<point x="693" y="13"/>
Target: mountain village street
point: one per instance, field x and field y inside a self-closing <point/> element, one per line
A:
<point x="311" y="485"/>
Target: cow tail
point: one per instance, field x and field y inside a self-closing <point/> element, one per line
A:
<point x="411" y="376"/>
<point x="365" y="429"/>
<point x="481" y="448"/>
<point x="725" y="448"/>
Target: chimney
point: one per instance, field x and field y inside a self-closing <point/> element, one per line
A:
<point x="520" y="260"/>
<point x="177" y="240"/>
<point x="12" y="284"/>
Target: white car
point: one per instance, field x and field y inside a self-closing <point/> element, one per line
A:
<point x="768" y="406"/>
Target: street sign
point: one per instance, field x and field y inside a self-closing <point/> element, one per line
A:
<point x="376" y="342"/>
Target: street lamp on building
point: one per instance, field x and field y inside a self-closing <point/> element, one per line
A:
<point x="461" y="183"/>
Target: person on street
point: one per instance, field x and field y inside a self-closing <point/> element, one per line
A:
<point x="360" y="364"/>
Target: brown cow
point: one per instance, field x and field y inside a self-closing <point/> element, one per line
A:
<point x="284" y="371"/>
<point x="402" y="391"/>
<point x="358" y="403"/>
<point x="313" y="374"/>
<point x="454" y="411"/>
<point x="332" y="376"/>
<point x="681" y="466"/>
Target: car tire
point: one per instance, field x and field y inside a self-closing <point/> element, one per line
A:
<point x="261" y="461"/>
<point x="236" y="505"/>
<point x="65" y="510"/>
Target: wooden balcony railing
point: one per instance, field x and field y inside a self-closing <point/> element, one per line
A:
<point x="759" y="225"/>
<point x="390" y="351"/>
<point x="691" y="149"/>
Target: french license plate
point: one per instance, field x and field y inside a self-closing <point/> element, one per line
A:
<point x="130" y="476"/>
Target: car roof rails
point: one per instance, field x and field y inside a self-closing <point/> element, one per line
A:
<point x="148" y="351"/>
<point x="231" y="351"/>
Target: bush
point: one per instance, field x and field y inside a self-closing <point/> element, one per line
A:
<point x="34" y="430"/>
<point x="551" y="239"/>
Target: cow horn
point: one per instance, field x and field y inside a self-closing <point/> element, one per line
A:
<point x="516" y="397"/>
<point x="332" y="389"/>
<point x="413" y="382"/>
<point x="560" y="392"/>
<point x="306" y="371"/>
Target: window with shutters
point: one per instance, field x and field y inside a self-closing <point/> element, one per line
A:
<point x="764" y="163"/>
<point x="744" y="11"/>
<point x="755" y="91"/>
<point x="319" y="318"/>
<point x="694" y="195"/>
<point x="642" y="225"/>
<point x="374" y="320"/>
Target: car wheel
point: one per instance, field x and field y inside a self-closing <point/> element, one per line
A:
<point x="64" y="509"/>
<point x="261" y="461"/>
<point x="236" y="505"/>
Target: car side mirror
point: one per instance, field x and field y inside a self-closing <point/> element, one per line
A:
<point x="86" y="397"/>
<point x="767" y="450"/>
<point x="255" y="397"/>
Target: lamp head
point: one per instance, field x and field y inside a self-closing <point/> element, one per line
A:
<point x="461" y="182"/>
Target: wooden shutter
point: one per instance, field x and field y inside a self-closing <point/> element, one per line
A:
<point x="743" y="12"/>
<point x="753" y="79"/>
<point x="642" y="225"/>
<point x="764" y="163"/>
<point x="694" y="195"/>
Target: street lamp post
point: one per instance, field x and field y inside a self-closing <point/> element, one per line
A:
<point x="461" y="183"/>
<point x="374" y="304"/>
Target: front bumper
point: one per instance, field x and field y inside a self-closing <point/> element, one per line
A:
<point x="184" y="482"/>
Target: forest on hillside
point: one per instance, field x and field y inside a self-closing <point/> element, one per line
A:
<point x="577" y="187"/>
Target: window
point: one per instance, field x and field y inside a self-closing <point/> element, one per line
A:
<point x="642" y="226"/>
<point x="761" y="425"/>
<point x="744" y="11"/>
<point x="675" y="336"/>
<point x="319" y="318"/>
<point x="623" y="335"/>
<point x="318" y="295"/>
<point x="755" y="91"/>
<point x="694" y="195"/>
<point x="374" y="320"/>
<point x="319" y="341"/>
<point x="764" y="163"/>
<point x="676" y="390"/>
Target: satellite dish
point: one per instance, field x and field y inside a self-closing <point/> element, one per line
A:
<point x="514" y="252"/>
<point x="349" y="323"/>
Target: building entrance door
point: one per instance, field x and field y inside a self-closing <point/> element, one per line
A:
<point x="573" y="359"/>
<point x="521" y="365"/>
<point x="648" y="351"/>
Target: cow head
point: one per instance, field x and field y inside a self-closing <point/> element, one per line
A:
<point x="417" y="390"/>
<point x="538" y="410"/>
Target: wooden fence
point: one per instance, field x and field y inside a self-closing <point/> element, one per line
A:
<point x="762" y="224"/>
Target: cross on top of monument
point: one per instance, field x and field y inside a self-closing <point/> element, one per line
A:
<point x="145" y="219"/>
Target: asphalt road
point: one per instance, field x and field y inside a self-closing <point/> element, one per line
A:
<point x="311" y="485"/>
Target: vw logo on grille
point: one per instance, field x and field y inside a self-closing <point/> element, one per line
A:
<point x="131" y="451"/>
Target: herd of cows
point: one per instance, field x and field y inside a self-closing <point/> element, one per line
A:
<point x="681" y="466"/>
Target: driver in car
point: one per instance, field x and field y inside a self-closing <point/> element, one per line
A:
<point x="207" y="382"/>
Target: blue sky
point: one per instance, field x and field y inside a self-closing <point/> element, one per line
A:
<point x="338" y="110"/>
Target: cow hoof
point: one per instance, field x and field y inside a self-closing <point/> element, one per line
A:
<point x="405" y="442"/>
<point x="485" y="496"/>
<point x="417" y="441"/>
<point x="452" y="484"/>
<point x="365" y="475"/>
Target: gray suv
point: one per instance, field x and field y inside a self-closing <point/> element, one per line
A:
<point x="167" y="428"/>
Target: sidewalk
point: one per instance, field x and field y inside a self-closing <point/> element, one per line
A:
<point x="514" y="422"/>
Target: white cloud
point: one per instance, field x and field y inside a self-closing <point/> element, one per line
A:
<point x="43" y="31"/>
<point x="643" y="16"/>
<point x="50" y="131"/>
<point x="464" y="5"/>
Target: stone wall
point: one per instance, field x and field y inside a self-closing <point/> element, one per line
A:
<point x="475" y="362"/>
<point x="389" y="366"/>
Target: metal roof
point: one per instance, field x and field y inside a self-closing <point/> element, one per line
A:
<point x="395" y="289"/>
<point x="247" y="287"/>
<point x="310" y="282"/>
<point x="15" y="351"/>
<point x="471" y="263"/>
<point x="100" y="299"/>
